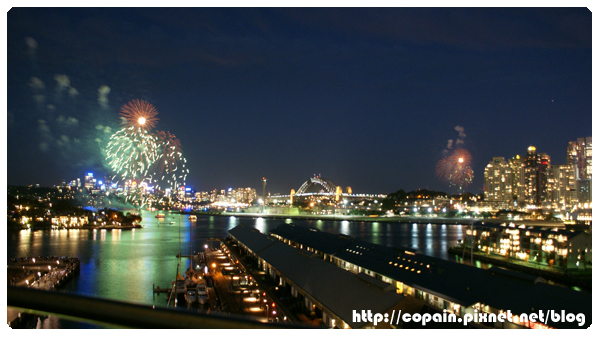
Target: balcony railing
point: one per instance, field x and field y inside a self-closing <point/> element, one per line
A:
<point x="117" y="314"/>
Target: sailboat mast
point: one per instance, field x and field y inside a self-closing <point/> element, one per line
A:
<point x="191" y="257"/>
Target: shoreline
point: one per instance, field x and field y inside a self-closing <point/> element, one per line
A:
<point x="79" y="228"/>
<point x="399" y="219"/>
<point x="566" y="277"/>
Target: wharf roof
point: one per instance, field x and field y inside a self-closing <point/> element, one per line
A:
<point x="466" y="285"/>
<point x="252" y="238"/>
<point x="327" y="243"/>
<point x="338" y="290"/>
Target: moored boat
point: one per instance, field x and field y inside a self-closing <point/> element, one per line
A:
<point x="202" y="292"/>
<point x="191" y="296"/>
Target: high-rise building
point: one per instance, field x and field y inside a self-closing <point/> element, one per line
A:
<point x="562" y="186"/>
<point x="543" y="173"/>
<point x="497" y="180"/>
<point x="517" y="178"/>
<point x="90" y="182"/>
<point x="536" y="176"/>
<point x="584" y="190"/>
<point x="531" y="177"/>
<point x="579" y="156"/>
<point x="534" y="181"/>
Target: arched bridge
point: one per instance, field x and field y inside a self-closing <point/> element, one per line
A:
<point x="327" y="184"/>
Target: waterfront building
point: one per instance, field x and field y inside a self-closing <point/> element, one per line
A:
<point x="557" y="248"/>
<point x="69" y="220"/>
<point x="330" y="292"/>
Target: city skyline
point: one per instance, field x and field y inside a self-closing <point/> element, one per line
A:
<point x="369" y="98"/>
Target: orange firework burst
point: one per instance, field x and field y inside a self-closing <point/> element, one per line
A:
<point x="139" y="113"/>
<point x="456" y="168"/>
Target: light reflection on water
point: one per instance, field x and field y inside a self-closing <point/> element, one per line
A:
<point x="124" y="264"/>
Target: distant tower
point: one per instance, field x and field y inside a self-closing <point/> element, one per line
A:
<point x="338" y="191"/>
<point x="517" y="178"/>
<point x="349" y="190"/>
<point x="292" y="193"/>
<point x="264" y="182"/>
<point x="497" y="181"/>
<point x="89" y="181"/>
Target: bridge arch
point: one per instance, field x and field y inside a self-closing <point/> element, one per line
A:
<point x="327" y="184"/>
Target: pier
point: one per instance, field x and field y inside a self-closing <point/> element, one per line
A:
<point x="231" y="288"/>
<point x="41" y="272"/>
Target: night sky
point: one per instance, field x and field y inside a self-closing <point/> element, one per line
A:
<point x="368" y="98"/>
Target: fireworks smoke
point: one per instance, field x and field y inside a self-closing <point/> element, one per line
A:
<point x="103" y="92"/>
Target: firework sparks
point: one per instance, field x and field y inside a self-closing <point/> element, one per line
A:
<point x="140" y="114"/>
<point x="170" y="163"/>
<point x="456" y="168"/>
<point x="141" y="157"/>
<point x="130" y="152"/>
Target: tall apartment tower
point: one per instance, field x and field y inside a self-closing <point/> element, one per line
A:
<point x="497" y="178"/>
<point x="543" y="174"/>
<point x="579" y="156"/>
<point x="536" y="176"/>
<point x="530" y="175"/>
<point x="562" y="186"/>
<point x="517" y="178"/>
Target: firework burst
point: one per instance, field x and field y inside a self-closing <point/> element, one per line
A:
<point x="143" y="158"/>
<point x="456" y="168"/>
<point x="170" y="163"/>
<point x="139" y="113"/>
<point x="131" y="152"/>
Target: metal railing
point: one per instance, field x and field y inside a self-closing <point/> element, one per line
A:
<point x="117" y="314"/>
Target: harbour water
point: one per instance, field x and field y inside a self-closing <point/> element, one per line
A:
<point x="124" y="264"/>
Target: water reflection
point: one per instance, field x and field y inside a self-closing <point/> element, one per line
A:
<point x="319" y="224"/>
<point x="375" y="235"/>
<point x="232" y="222"/>
<point x="261" y="225"/>
<point x="345" y="229"/>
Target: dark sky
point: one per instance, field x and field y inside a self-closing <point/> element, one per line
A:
<point x="367" y="98"/>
